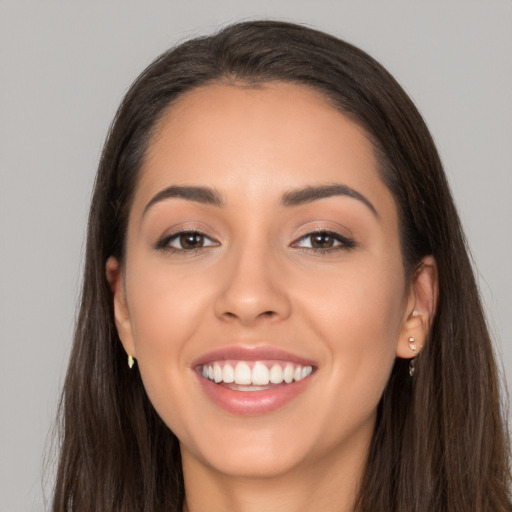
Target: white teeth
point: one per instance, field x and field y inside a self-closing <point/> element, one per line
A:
<point x="276" y="374"/>
<point x="228" y="374"/>
<point x="288" y="374"/>
<point x="243" y="374"/>
<point x="306" y="370"/>
<point x="260" y="375"/>
<point x="217" y="372"/>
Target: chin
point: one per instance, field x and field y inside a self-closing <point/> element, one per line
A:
<point x="249" y="453"/>
<point x="258" y="465"/>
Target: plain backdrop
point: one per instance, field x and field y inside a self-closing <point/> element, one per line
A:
<point x="64" y="68"/>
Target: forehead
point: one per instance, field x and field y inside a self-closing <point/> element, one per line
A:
<point x="254" y="140"/>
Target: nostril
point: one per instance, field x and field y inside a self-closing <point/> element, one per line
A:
<point x="265" y="314"/>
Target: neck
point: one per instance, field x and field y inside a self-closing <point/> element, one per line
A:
<point x="330" y="485"/>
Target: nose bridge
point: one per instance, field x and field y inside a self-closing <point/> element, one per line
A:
<point x="253" y="285"/>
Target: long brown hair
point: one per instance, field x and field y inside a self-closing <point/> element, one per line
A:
<point x="439" y="444"/>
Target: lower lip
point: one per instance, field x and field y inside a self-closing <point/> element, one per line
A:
<point x="251" y="403"/>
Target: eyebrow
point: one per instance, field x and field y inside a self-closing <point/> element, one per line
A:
<point x="309" y="194"/>
<point x="202" y="195"/>
<point x="304" y="195"/>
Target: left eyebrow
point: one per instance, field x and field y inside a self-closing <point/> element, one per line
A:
<point x="202" y="195"/>
<point x="309" y="194"/>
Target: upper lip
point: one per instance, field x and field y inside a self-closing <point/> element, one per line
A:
<point x="251" y="353"/>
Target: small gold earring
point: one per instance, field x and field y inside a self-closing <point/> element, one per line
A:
<point x="412" y="344"/>
<point x="131" y="361"/>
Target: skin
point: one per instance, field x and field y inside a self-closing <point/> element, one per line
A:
<point x="259" y="282"/>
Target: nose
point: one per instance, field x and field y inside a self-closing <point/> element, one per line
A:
<point x="253" y="290"/>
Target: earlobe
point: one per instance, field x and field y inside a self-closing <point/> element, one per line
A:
<point x="121" y="313"/>
<point x="420" y="310"/>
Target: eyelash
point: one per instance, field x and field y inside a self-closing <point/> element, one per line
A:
<point x="343" y="243"/>
<point x="164" y="243"/>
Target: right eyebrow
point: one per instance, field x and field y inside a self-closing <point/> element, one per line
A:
<point x="204" y="195"/>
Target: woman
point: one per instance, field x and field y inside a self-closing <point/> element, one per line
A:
<point x="278" y="308"/>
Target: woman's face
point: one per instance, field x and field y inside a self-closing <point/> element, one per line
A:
<point x="262" y="246"/>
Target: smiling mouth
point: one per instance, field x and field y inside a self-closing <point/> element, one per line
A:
<point x="254" y="375"/>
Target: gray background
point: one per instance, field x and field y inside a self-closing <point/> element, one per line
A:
<point x="64" y="69"/>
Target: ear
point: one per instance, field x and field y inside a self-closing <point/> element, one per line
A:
<point x="420" y="309"/>
<point x="121" y="314"/>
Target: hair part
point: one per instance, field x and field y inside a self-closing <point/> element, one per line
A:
<point x="439" y="443"/>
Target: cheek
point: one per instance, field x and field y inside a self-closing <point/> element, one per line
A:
<point x="358" y="312"/>
<point x="164" y="305"/>
<point x="367" y="295"/>
<point x="166" y="311"/>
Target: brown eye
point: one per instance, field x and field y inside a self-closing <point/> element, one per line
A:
<point x="322" y="241"/>
<point x="191" y="240"/>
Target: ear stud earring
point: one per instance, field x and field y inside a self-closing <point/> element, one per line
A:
<point x="131" y="361"/>
<point x="412" y="344"/>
